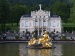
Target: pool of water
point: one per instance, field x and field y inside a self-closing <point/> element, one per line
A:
<point x="19" y="49"/>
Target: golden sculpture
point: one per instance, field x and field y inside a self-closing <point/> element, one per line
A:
<point x="32" y="42"/>
<point x="45" y="40"/>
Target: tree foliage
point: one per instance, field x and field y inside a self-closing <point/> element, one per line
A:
<point x="4" y="13"/>
<point x="17" y="11"/>
<point x="61" y="9"/>
<point x="72" y="14"/>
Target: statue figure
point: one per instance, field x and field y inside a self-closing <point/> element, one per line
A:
<point x="45" y="40"/>
<point x="40" y="6"/>
<point x="32" y="41"/>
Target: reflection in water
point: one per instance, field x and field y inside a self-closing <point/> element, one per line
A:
<point x="58" y="50"/>
<point x="22" y="50"/>
<point x="19" y="49"/>
<point x="39" y="52"/>
<point x="34" y="52"/>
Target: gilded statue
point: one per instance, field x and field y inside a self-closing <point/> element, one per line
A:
<point x="45" y="40"/>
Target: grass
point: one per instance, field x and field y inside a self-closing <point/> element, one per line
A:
<point x="11" y="27"/>
<point x="68" y="24"/>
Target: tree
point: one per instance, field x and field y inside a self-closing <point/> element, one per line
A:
<point x="17" y="11"/>
<point x="4" y="13"/>
<point x="62" y="9"/>
<point x="72" y="15"/>
<point x="72" y="12"/>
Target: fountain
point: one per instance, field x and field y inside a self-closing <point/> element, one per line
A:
<point x="42" y="43"/>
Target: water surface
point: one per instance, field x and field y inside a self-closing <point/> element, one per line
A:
<point x="19" y="49"/>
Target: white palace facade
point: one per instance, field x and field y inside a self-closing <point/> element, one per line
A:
<point x="40" y="20"/>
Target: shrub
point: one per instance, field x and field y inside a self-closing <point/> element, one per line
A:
<point x="17" y="37"/>
<point x="64" y="38"/>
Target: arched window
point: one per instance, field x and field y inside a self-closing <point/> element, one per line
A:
<point x="26" y="24"/>
<point x="36" y="23"/>
<point x="44" y="23"/>
<point x="40" y="16"/>
<point x="54" y="24"/>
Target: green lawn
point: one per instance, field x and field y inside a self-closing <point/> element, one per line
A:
<point x="68" y="24"/>
<point x="12" y="27"/>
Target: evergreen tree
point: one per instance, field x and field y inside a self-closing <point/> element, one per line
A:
<point x="61" y="9"/>
<point x="72" y="12"/>
<point x="4" y="13"/>
<point x="72" y="15"/>
<point x="17" y="11"/>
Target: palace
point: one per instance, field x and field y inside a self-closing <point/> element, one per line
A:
<point x="40" y="20"/>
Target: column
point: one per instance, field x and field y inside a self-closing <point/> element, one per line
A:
<point x="42" y="26"/>
<point x="38" y="27"/>
<point x="46" y="24"/>
<point x="34" y="23"/>
<point x="49" y="25"/>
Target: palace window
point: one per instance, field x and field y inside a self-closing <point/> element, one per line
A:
<point x="44" y="23"/>
<point x="54" y="24"/>
<point x="26" y="24"/>
<point x="36" y="23"/>
<point x="40" y="16"/>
